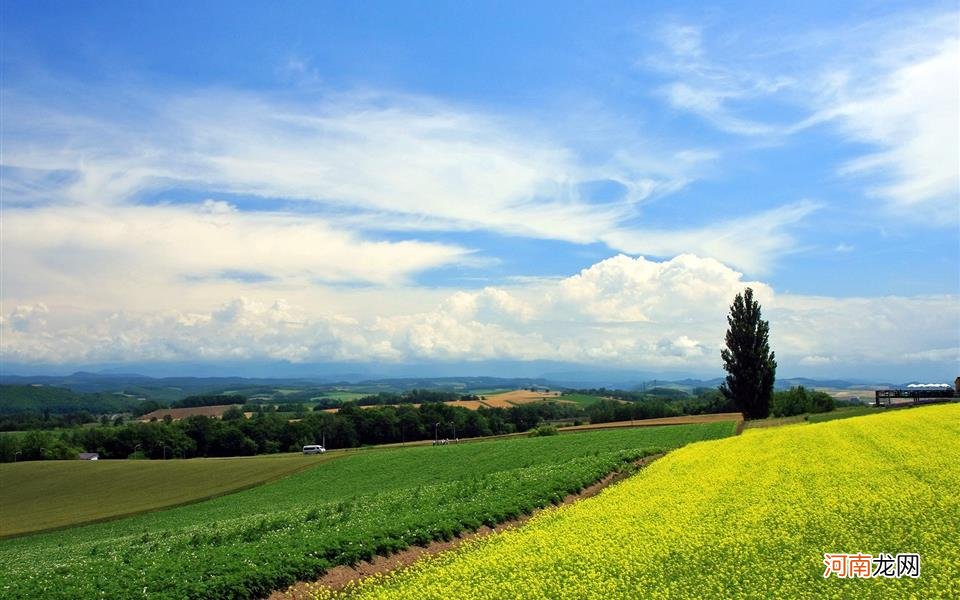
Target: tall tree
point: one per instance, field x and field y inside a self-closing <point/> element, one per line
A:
<point x="748" y="360"/>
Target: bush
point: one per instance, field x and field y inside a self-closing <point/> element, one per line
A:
<point x="543" y="430"/>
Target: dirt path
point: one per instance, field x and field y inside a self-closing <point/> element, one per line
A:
<point x="338" y="577"/>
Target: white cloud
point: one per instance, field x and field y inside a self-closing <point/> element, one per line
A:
<point x="712" y="88"/>
<point x="380" y="153"/>
<point x="26" y="317"/>
<point x="369" y="162"/>
<point x="893" y="84"/>
<point x="710" y="103"/>
<point x="135" y="257"/>
<point x="752" y="243"/>
<point x="912" y="115"/>
<point x="626" y="312"/>
<point x="624" y="289"/>
<point x="816" y="360"/>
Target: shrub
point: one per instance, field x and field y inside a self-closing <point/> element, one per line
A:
<point x="543" y="430"/>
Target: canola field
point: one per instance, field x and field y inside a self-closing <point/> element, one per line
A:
<point x="750" y="516"/>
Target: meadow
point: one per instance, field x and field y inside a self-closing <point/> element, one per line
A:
<point x="50" y="494"/>
<point x="343" y="511"/>
<point x="750" y="516"/>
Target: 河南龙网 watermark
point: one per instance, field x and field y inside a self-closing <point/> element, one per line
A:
<point x="865" y="566"/>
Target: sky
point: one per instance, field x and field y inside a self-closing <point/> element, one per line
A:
<point x="447" y="184"/>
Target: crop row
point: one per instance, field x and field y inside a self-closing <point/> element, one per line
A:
<point x="750" y="516"/>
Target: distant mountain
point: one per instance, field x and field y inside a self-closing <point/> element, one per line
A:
<point x="464" y="383"/>
<point x="169" y="389"/>
<point x="843" y="384"/>
<point x="164" y="389"/>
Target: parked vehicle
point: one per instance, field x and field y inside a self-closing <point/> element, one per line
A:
<point x="314" y="449"/>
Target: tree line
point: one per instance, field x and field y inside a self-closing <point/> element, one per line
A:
<point x="267" y="433"/>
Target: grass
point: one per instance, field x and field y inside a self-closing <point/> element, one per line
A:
<point x="844" y="412"/>
<point x="246" y="544"/>
<point x="750" y="516"/>
<point x="40" y="495"/>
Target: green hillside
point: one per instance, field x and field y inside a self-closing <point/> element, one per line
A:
<point x="16" y="399"/>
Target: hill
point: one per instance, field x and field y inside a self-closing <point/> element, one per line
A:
<point x="768" y="507"/>
<point x="16" y="399"/>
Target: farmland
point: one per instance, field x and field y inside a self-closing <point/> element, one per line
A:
<point x="45" y="495"/>
<point x="345" y="510"/>
<point x="581" y="400"/>
<point x="518" y="397"/>
<point x="341" y="395"/>
<point x="752" y="514"/>
<point x="182" y="413"/>
<point x="500" y="399"/>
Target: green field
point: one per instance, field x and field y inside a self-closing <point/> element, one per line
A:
<point x="581" y="400"/>
<point x="750" y="516"/>
<point x="340" y="395"/>
<point x="41" y="495"/>
<point x="488" y="391"/>
<point x="345" y="510"/>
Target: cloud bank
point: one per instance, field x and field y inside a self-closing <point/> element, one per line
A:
<point x="623" y="312"/>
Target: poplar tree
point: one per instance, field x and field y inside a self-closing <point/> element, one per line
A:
<point x="748" y="360"/>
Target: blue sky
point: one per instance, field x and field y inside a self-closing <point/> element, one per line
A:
<point x="409" y="182"/>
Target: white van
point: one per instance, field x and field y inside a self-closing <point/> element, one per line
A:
<point x="314" y="449"/>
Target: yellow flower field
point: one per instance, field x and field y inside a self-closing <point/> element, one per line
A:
<point x="750" y="516"/>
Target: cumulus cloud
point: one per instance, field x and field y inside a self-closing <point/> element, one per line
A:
<point x="624" y="289"/>
<point x="623" y="311"/>
<point x="26" y="317"/>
